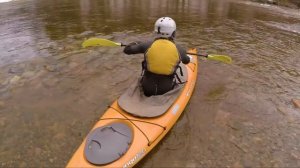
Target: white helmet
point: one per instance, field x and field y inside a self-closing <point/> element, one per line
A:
<point x="165" y="27"/>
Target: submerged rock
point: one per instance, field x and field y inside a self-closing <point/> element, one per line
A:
<point x="84" y="34"/>
<point x="2" y="105"/>
<point x="222" y="117"/>
<point x="51" y="45"/>
<point x="37" y="151"/>
<point x="237" y="165"/>
<point x="28" y="74"/>
<point x="14" y="70"/>
<point x="70" y="36"/>
<point x="3" y="122"/>
<point x="295" y="155"/>
<point x="51" y="160"/>
<point x="5" y="82"/>
<point x="50" y="82"/>
<point x="283" y="110"/>
<point x="87" y="33"/>
<point x="14" y="80"/>
<point x="73" y="65"/>
<point x="257" y="140"/>
<point x="50" y="68"/>
<point x="296" y="103"/>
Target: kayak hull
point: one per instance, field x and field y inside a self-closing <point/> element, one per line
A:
<point x="147" y="132"/>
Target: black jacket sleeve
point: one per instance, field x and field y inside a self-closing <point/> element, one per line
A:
<point x="137" y="47"/>
<point x="184" y="58"/>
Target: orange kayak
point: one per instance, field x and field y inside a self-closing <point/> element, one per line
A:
<point x="136" y="136"/>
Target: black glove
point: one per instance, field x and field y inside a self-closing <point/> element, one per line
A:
<point x="127" y="49"/>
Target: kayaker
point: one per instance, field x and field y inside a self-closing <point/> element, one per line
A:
<point x="161" y="58"/>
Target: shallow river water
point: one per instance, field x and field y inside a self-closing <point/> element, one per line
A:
<point x="52" y="91"/>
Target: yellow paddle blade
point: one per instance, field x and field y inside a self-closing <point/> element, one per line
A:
<point x="222" y="58"/>
<point x="99" y="42"/>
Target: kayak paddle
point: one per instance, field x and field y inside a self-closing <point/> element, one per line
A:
<point x="223" y="58"/>
<point x="104" y="42"/>
<point x="100" y="42"/>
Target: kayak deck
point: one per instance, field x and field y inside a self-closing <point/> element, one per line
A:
<point x="147" y="132"/>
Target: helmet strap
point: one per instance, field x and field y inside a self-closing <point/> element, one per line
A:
<point x="173" y="34"/>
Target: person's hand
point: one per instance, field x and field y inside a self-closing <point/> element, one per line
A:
<point x="134" y="43"/>
<point x="128" y="47"/>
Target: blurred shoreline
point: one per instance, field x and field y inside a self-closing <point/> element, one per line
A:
<point x="287" y="3"/>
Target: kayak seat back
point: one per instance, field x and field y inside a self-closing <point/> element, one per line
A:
<point x="134" y="101"/>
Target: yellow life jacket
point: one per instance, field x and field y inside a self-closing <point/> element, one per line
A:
<point x="162" y="57"/>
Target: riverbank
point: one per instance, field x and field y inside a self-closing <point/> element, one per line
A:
<point x="286" y="3"/>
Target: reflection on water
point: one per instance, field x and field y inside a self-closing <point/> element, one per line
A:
<point x="284" y="26"/>
<point x="52" y="91"/>
<point x="2" y="1"/>
<point x="29" y="25"/>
